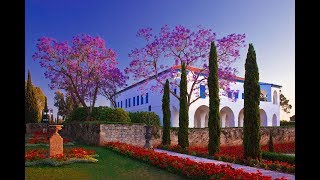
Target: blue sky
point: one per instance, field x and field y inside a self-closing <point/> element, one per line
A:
<point x="269" y="25"/>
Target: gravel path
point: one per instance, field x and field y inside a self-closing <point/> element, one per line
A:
<point x="273" y="174"/>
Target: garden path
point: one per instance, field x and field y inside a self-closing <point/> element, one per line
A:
<point x="273" y="174"/>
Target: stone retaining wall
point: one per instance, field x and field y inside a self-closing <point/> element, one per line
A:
<point x="100" y="134"/>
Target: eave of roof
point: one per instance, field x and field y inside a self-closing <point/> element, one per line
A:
<point x="194" y="69"/>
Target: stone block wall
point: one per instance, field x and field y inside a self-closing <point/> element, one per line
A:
<point x="100" y="134"/>
<point x="80" y="132"/>
<point x="234" y="136"/>
<point x="131" y="134"/>
<point x="35" y="127"/>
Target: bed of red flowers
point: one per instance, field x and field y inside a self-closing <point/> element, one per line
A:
<point x="185" y="167"/>
<point x="41" y="153"/>
<point x="234" y="154"/>
<point x="42" y="138"/>
<point x="41" y="156"/>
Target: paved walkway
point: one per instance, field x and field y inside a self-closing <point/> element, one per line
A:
<point x="273" y="174"/>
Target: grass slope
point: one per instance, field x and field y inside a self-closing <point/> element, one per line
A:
<point x="110" y="166"/>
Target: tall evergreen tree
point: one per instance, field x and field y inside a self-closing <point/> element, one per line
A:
<point x="31" y="107"/>
<point x="251" y="122"/>
<point x="183" y="140"/>
<point x="214" y="114"/>
<point x="166" y="114"/>
<point x="60" y="103"/>
<point x="45" y="110"/>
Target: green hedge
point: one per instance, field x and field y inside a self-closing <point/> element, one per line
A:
<point x="287" y="123"/>
<point x="278" y="157"/>
<point x="101" y="113"/>
<point x="148" y="118"/>
<point x="105" y="114"/>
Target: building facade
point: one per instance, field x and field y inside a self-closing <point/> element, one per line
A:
<point x="132" y="99"/>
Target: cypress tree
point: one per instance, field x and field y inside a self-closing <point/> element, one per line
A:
<point x="214" y="114"/>
<point x="166" y="115"/>
<point x="183" y="140"/>
<point x="31" y="106"/>
<point x="251" y="122"/>
<point x="46" y="110"/>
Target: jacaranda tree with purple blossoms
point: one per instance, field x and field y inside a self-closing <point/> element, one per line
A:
<point x="111" y="85"/>
<point x="81" y="68"/>
<point x="167" y="51"/>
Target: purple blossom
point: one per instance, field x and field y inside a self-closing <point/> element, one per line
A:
<point x="172" y="47"/>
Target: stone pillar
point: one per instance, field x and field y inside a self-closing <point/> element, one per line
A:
<point x="56" y="142"/>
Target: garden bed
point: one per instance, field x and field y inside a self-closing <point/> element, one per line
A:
<point x="40" y="138"/>
<point x="40" y="156"/>
<point x="184" y="167"/>
<point x="234" y="154"/>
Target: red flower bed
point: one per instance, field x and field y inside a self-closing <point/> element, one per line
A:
<point x="40" y="153"/>
<point x="183" y="166"/>
<point x="281" y="148"/>
<point x="41" y="137"/>
<point x="234" y="154"/>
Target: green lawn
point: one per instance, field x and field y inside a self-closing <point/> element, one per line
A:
<point x="110" y="166"/>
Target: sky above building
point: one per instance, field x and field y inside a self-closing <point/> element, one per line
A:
<point x="269" y="25"/>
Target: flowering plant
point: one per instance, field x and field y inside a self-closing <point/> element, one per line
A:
<point x="185" y="167"/>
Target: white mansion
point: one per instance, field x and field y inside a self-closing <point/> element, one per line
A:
<point x="231" y="107"/>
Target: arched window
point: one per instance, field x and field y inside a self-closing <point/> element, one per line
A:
<point x="275" y="97"/>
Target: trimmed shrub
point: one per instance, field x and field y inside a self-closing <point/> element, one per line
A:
<point x="148" y="118"/>
<point x="278" y="157"/>
<point x="287" y="123"/>
<point x="101" y="113"/>
<point x="117" y="115"/>
<point x="78" y="114"/>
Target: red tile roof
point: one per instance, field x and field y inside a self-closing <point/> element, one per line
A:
<point x="194" y="69"/>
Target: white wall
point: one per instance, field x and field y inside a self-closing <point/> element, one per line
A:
<point x="155" y="100"/>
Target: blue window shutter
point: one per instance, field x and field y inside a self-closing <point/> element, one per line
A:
<point x="242" y="95"/>
<point x="134" y="101"/>
<point x="150" y="108"/>
<point x="175" y="90"/>
<point x="147" y="98"/>
<point x="121" y="104"/>
<point x="137" y="100"/>
<point x="229" y="94"/>
<point x="129" y="102"/>
<point x="126" y="103"/>
<point x="236" y="95"/>
<point x="141" y="99"/>
<point x="202" y="91"/>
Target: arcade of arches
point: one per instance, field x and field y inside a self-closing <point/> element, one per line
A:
<point x="227" y="118"/>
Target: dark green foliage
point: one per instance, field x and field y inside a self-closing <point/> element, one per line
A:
<point x="78" y="114"/>
<point x="287" y="123"/>
<point x="251" y="124"/>
<point x="166" y="115"/>
<point x="270" y="143"/>
<point x="31" y="107"/>
<point x="214" y="101"/>
<point x="118" y="115"/>
<point x="278" y="157"/>
<point x="284" y="104"/>
<point x="104" y="114"/>
<point x="60" y="103"/>
<point x="148" y="118"/>
<point x="183" y="140"/>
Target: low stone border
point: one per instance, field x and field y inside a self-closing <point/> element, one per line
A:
<point x="53" y="162"/>
<point x="43" y="144"/>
